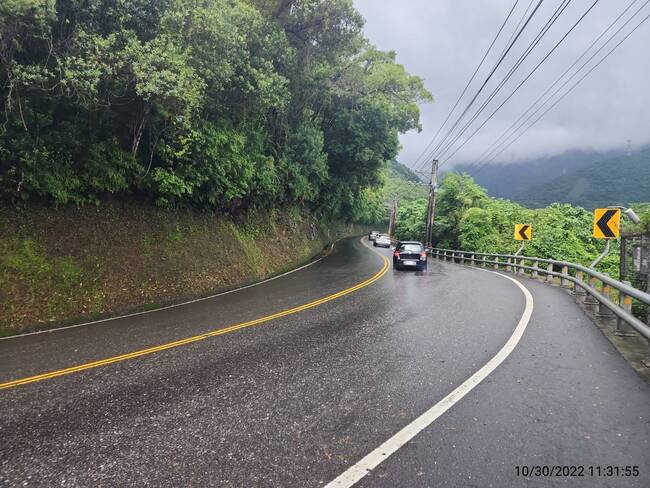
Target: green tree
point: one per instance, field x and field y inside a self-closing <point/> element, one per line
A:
<point x="223" y="104"/>
<point x="411" y="220"/>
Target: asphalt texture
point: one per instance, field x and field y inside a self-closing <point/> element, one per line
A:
<point x="297" y="400"/>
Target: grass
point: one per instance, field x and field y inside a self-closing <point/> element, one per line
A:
<point x="71" y="264"/>
<point x="24" y="258"/>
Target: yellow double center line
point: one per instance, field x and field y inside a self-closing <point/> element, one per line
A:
<point x="201" y="337"/>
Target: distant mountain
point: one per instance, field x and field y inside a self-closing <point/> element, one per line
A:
<point x="401" y="171"/>
<point x="514" y="180"/>
<point x="400" y="181"/>
<point x="618" y="180"/>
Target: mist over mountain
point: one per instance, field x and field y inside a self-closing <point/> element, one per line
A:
<point x="515" y="181"/>
<point x="588" y="179"/>
<point x="619" y="180"/>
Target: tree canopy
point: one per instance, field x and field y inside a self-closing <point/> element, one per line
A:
<point x="468" y="219"/>
<point x="223" y="104"/>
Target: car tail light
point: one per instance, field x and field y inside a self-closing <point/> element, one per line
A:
<point x="396" y="254"/>
<point x="423" y="256"/>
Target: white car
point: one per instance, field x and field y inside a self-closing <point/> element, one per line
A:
<point x="382" y="241"/>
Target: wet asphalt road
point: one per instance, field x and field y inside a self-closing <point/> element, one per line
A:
<point x="296" y="401"/>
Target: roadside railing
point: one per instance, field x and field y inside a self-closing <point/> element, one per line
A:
<point x="610" y="299"/>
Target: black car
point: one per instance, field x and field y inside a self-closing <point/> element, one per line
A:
<point x="410" y="255"/>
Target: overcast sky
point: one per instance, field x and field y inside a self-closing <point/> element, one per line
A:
<point x="444" y="40"/>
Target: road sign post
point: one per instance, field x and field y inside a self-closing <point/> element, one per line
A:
<point x="607" y="225"/>
<point x="523" y="233"/>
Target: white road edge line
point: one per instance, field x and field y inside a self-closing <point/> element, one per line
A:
<point x="355" y="473"/>
<point x="175" y="305"/>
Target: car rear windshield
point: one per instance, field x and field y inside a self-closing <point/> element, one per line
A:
<point x="411" y="247"/>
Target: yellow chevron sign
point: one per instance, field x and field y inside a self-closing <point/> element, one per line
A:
<point x="523" y="232"/>
<point x="607" y="223"/>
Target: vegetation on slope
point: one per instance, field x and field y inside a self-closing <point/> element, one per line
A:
<point x="402" y="184"/>
<point x="468" y="219"/>
<point x="614" y="181"/>
<point x="514" y="180"/>
<point x="584" y="179"/>
<point x="80" y="263"/>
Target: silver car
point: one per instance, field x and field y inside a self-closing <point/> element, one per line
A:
<point x="382" y="241"/>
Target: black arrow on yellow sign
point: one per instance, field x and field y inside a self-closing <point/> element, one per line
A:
<point x="523" y="232"/>
<point x="607" y="223"/>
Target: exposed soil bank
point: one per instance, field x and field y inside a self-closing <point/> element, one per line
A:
<point x="73" y="264"/>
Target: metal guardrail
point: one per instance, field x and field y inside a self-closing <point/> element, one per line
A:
<point x="609" y="298"/>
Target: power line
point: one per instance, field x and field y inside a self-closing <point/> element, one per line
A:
<point x="505" y="135"/>
<point x="573" y="86"/>
<point x="525" y="79"/>
<point x="469" y="82"/>
<point x="485" y="82"/>
<point x="523" y="16"/>
<point x="499" y="139"/>
<point x="538" y="37"/>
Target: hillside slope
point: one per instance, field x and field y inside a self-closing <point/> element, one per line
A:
<point x="614" y="181"/>
<point x="72" y="264"/>
<point x="515" y="179"/>
<point x="400" y="181"/>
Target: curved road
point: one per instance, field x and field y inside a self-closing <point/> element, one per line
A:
<point x="298" y="399"/>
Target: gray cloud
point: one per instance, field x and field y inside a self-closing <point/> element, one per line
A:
<point x="443" y="41"/>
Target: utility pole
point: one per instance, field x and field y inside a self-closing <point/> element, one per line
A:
<point x="432" y="201"/>
<point x="393" y="217"/>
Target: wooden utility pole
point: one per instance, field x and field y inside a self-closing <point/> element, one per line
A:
<point x="393" y="217"/>
<point x="432" y="202"/>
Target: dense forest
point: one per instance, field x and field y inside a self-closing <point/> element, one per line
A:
<point x="219" y="104"/>
<point x="513" y="179"/>
<point x="619" y="180"/>
<point x="587" y="179"/>
<point x="468" y="218"/>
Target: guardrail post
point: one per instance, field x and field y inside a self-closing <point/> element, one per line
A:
<point x="549" y="269"/>
<point x="472" y="262"/>
<point x="563" y="281"/>
<point x="622" y="327"/>
<point x="578" y="290"/>
<point x="535" y="270"/>
<point x="603" y="311"/>
<point x="590" y="302"/>
<point x="522" y="263"/>
<point x="508" y="266"/>
<point x="496" y="263"/>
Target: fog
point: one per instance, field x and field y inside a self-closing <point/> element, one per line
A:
<point x="444" y="40"/>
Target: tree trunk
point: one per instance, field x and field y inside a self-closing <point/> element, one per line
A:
<point x="138" y="129"/>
